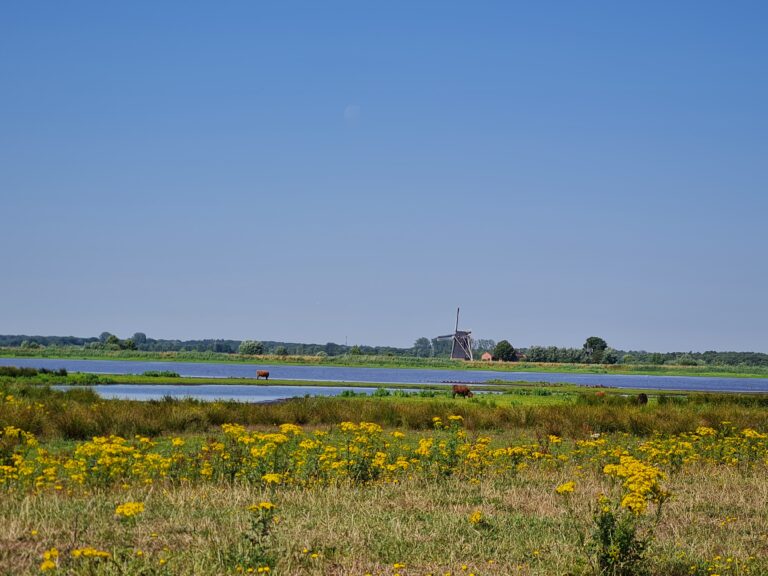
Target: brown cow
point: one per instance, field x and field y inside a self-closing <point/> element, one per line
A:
<point x="461" y="390"/>
<point x="262" y="374"/>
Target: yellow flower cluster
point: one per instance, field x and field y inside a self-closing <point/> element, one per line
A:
<point x="640" y="482"/>
<point x="129" y="509"/>
<point x="476" y="518"/>
<point x="50" y="560"/>
<point x="89" y="552"/>
<point x="566" y="488"/>
<point x="261" y="506"/>
<point x="727" y="446"/>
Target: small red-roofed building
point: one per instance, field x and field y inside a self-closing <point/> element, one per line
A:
<point x="486" y="357"/>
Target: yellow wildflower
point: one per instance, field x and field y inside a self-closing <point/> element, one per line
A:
<point x="129" y="509"/>
<point x="89" y="552"/>
<point x="566" y="488"/>
<point x="272" y="478"/>
<point x="290" y="429"/>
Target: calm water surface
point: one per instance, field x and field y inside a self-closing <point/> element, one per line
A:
<point x="210" y="392"/>
<point x="395" y="375"/>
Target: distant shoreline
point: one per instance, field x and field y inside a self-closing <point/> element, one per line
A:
<point x="353" y="361"/>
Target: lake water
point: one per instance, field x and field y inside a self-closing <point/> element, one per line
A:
<point x="341" y="374"/>
<point x="210" y="392"/>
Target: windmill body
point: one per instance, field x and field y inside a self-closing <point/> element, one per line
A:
<point x="461" y="347"/>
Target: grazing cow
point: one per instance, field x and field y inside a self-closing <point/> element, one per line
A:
<point x="262" y="374"/>
<point x="461" y="390"/>
<point x="642" y="399"/>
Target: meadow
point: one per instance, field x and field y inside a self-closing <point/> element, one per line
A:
<point x="589" y="484"/>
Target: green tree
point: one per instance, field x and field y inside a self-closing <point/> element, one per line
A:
<point x="422" y="348"/>
<point x="252" y="347"/>
<point x="281" y="351"/>
<point x="594" y="348"/>
<point x="536" y="354"/>
<point x="610" y="356"/>
<point x="483" y="345"/>
<point x="504" y="352"/>
<point x="441" y="348"/>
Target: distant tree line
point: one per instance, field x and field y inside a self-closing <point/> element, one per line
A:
<point x="595" y="350"/>
<point x="12" y="341"/>
<point x="140" y="341"/>
<point x="710" y="358"/>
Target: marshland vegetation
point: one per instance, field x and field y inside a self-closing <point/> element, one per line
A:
<point x="537" y="480"/>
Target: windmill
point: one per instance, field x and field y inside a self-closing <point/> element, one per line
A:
<point x="461" y="348"/>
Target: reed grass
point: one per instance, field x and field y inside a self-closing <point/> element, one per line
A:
<point x="79" y="413"/>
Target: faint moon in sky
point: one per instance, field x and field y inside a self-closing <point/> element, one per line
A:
<point x="351" y="112"/>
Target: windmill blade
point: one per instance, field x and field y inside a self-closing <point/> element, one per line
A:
<point x="446" y="337"/>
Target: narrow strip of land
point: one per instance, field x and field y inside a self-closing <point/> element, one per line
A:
<point x="723" y="371"/>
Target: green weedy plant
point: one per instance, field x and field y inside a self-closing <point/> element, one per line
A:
<point x="446" y="460"/>
<point x="253" y="550"/>
<point x="617" y="543"/>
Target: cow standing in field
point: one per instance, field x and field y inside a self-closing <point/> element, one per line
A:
<point x="461" y="390"/>
<point x="262" y="374"/>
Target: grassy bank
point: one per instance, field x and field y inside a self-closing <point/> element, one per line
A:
<point x="80" y="413"/>
<point x="500" y="388"/>
<point x="495" y="386"/>
<point x="388" y="362"/>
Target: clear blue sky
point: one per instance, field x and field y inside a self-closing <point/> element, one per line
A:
<point x="324" y="171"/>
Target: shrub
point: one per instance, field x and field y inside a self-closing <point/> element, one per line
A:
<point x="618" y="546"/>
<point x="15" y="372"/>
<point x="251" y="347"/>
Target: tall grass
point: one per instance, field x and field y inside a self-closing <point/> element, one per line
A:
<point x="80" y="413"/>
